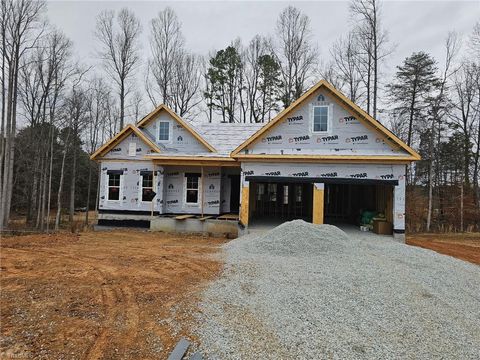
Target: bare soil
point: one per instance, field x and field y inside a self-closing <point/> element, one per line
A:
<point x="465" y="246"/>
<point x="101" y="295"/>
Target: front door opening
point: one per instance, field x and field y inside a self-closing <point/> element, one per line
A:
<point x="234" y="193"/>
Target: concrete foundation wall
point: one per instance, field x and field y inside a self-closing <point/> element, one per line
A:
<point x="208" y="227"/>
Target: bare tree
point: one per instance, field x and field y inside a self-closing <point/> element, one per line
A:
<point x="119" y="49"/>
<point x="20" y="32"/>
<point x="373" y="40"/>
<point x="329" y="72"/>
<point x="463" y="115"/>
<point x="166" y="43"/>
<point x="295" y="52"/>
<point x="474" y="41"/>
<point x="345" y="54"/>
<point x="42" y="79"/>
<point x="186" y="83"/>
<point x="74" y="118"/>
<point x="437" y="112"/>
<point x="96" y="104"/>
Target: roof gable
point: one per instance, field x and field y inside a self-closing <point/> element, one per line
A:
<point x="128" y="131"/>
<point x="356" y="132"/>
<point x="148" y="123"/>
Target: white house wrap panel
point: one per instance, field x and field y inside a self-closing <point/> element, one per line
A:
<point x="346" y="135"/>
<point x="130" y="198"/>
<point x="180" y="139"/>
<point x="123" y="150"/>
<point x="209" y="190"/>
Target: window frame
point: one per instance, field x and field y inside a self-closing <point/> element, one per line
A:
<point x="142" y="187"/>
<point x="131" y="145"/>
<point x="169" y="132"/>
<point x="119" y="186"/>
<point x="186" y="188"/>
<point x="328" y="120"/>
<point x="285" y="195"/>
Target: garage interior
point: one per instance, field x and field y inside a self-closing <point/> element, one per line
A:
<point x="345" y="203"/>
<point x="272" y="202"/>
<point x="276" y="202"/>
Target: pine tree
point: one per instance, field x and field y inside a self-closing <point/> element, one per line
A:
<point x="414" y="81"/>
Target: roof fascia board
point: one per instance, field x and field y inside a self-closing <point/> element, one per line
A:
<point x="326" y="158"/>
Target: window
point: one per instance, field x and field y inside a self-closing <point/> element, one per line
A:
<point x="260" y="191"/>
<point x="298" y="193"/>
<point x="132" y="149"/>
<point x="114" y="186"/>
<point x="147" y="187"/>
<point x="272" y="192"/>
<point x="163" y="131"/>
<point x="320" y="118"/>
<point x="285" y="194"/>
<point x="191" y="188"/>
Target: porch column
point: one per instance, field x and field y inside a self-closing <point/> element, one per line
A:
<point x="244" y="206"/>
<point x="318" y="201"/>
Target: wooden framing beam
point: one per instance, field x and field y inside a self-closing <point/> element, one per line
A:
<point x="380" y="159"/>
<point x="318" y="203"/>
<point x="244" y="206"/>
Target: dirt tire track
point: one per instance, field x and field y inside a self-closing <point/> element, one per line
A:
<point x="117" y="295"/>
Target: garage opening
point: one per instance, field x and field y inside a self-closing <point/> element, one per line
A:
<point x="345" y="203"/>
<point x="276" y="202"/>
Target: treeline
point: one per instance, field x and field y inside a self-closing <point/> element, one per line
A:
<point x="57" y="108"/>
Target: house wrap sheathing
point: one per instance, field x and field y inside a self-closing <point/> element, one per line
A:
<point x="323" y="159"/>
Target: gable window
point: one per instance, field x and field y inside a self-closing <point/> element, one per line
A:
<point x="320" y="118"/>
<point x="114" y="186"/>
<point x="132" y="149"/>
<point x="147" y="186"/>
<point x="163" y="131"/>
<point x="192" y="188"/>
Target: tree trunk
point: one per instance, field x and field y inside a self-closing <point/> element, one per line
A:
<point x="461" y="206"/>
<point x="50" y="170"/>
<point x="122" y="104"/>
<point x="72" y="186"/>
<point x="88" y="192"/>
<point x="60" y="184"/>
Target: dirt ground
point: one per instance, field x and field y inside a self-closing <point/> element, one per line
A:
<point x="464" y="246"/>
<point x="101" y="295"/>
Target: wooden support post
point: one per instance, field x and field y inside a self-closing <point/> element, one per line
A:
<point x="318" y="202"/>
<point x="202" y="191"/>
<point x="244" y="206"/>
<point x="153" y="188"/>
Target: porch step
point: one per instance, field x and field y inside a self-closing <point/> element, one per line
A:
<point x="183" y="217"/>
<point x="203" y="218"/>
<point x="228" y="217"/>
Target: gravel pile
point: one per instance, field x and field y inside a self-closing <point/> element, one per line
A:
<point x="310" y="240"/>
<point x="305" y="291"/>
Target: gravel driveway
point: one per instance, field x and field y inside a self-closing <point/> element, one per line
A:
<point x="303" y="291"/>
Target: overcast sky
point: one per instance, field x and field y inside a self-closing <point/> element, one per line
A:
<point x="212" y="25"/>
